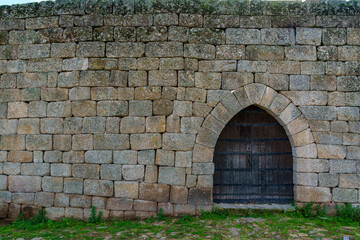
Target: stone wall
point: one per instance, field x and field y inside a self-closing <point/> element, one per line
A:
<point x="119" y="105"/>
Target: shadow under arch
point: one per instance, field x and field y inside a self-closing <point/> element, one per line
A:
<point x="276" y="104"/>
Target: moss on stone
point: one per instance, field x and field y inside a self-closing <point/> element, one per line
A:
<point x="226" y="7"/>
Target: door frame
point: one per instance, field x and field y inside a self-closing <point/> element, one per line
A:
<point x="276" y="104"/>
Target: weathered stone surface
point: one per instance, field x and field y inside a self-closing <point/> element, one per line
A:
<point x="24" y="183"/>
<point x="217" y="65"/>
<point x="348" y="83"/>
<point x="60" y="170"/>
<point x="110" y="172"/>
<point x="103" y="188"/>
<point x="23" y="198"/>
<point x="119" y="204"/>
<point x="178" y="141"/>
<point x="339" y="126"/>
<point x="234" y="80"/>
<point x="319" y="112"/>
<point x="181" y="210"/>
<point x="164" y="158"/>
<point x="312" y="194"/>
<point x="178" y="194"/>
<point x="90" y="49"/>
<point x="342" y="166"/>
<point x="133" y="172"/>
<point x="35" y="169"/>
<point x="126" y="189"/>
<point x="284" y="67"/>
<point x="140" y="108"/>
<point x="242" y="36"/>
<point x="155" y="124"/>
<point x="172" y="176"/>
<point x="353" y="99"/>
<point x="20" y="156"/>
<point x="182" y="108"/>
<point x="162" y="78"/>
<point x="111" y="142"/>
<point x="328" y="138"/>
<point x="205" y="181"/>
<point x="86" y="171"/>
<point x="71" y="64"/>
<point x="125" y="157"/>
<point x="334" y="36"/>
<point x="200" y="196"/>
<point x="98" y="157"/>
<point x="44" y="199"/>
<point x="118" y="49"/>
<point x="349" y="181"/>
<point x="252" y="66"/>
<point x="145" y="141"/>
<point x="327" y="53"/>
<point x="132" y="125"/>
<point x="52" y="184"/>
<point x="11" y="168"/>
<point x="306" y="179"/>
<point x="328" y="180"/>
<point x="51" y="126"/>
<point x="34" y="51"/>
<point x="200" y="51"/>
<point x="275" y="81"/>
<point x="112" y="108"/>
<point x="279" y="36"/>
<point x="234" y="52"/>
<point x="207" y="35"/>
<point x="151" y="174"/>
<point x="208" y="80"/>
<point x="353" y="152"/>
<point x="308" y="36"/>
<point x="301" y="53"/>
<point x="164" y="49"/>
<point x="311" y="165"/>
<point x="345" y="195"/>
<point x="304" y="98"/>
<point x="331" y="151"/>
<point x="203" y="168"/>
<point x="265" y="53"/>
<point x="307" y="151"/>
<point x="55" y="213"/>
<point x="73" y="185"/>
<point x="154" y="192"/>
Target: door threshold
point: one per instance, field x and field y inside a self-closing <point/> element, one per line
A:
<point x="270" y="206"/>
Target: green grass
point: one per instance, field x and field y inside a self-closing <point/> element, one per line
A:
<point x="219" y="224"/>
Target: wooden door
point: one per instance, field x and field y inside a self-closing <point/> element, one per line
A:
<point x="253" y="160"/>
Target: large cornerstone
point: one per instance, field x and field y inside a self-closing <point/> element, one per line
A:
<point x="120" y="104"/>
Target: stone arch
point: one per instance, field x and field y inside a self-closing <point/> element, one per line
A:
<point x="277" y="105"/>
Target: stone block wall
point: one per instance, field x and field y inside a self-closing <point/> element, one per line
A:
<point x="119" y="104"/>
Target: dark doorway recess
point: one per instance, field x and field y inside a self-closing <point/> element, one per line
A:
<point x="253" y="160"/>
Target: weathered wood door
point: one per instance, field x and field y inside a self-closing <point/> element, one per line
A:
<point x="253" y="160"/>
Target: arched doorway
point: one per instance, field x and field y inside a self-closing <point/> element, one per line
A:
<point x="253" y="160"/>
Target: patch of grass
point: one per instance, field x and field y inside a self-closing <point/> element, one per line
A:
<point x="347" y="213"/>
<point x="218" y="224"/>
<point x="215" y="214"/>
<point x="93" y="218"/>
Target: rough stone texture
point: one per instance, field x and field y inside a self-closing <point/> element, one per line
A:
<point x="313" y="194"/>
<point x="126" y="189"/>
<point x="124" y="108"/>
